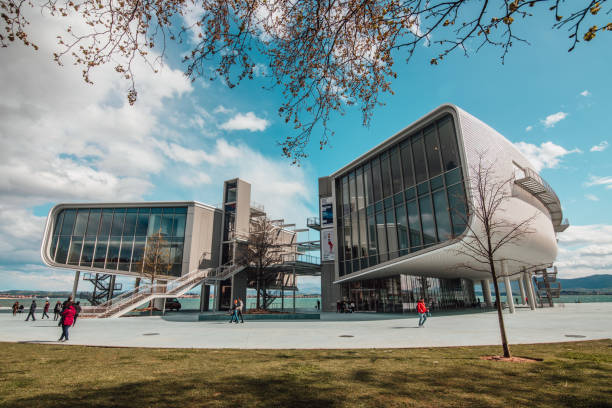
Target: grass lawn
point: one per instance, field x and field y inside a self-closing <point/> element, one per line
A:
<point x="571" y="375"/>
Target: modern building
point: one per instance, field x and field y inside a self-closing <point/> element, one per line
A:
<point x="394" y="220"/>
<point x="178" y="244"/>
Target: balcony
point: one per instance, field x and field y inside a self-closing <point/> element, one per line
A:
<point x="314" y="223"/>
<point x="540" y="189"/>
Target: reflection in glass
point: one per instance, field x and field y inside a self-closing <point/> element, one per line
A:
<point x="94" y="221"/>
<point x="420" y="167"/>
<point x="75" y="250"/>
<point x="69" y="216"/>
<point x="448" y="143"/>
<point x="432" y="148"/>
<point x="100" y="254"/>
<point x="427" y="220"/>
<point x="88" y="251"/>
<point x="442" y="215"/>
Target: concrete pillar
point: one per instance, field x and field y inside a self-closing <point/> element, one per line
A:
<point x="217" y="298"/>
<point x="486" y="291"/>
<point x="521" y="288"/>
<point x="530" y="298"/>
<point x="75" y="285"/>
<point x="509" y="298"/>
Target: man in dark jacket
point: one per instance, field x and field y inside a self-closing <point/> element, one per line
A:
<point x="46" y="310"/>
<point x="32" y="311"/>
<point x="77" y="310"/>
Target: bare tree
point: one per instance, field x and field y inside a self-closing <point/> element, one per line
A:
<point x="156" y="260"/>
<point x="325" y="55"/>
<point x="266" y="250"/>
<point x="490" y="230"/>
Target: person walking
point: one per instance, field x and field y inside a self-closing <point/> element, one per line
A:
<point x="45" y="310"/>
<point x="77" y="311"/>
<point x="240" y="309"/>
<point x="234" y="311"/>
<point x="57" y="310"/>
<point x="67" y="320"/>
<point x="32" y="311"/>
<point x="15" y="308"/>
<point x="422" y="311"/>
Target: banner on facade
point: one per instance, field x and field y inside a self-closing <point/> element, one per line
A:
<point x="327" y="212"/>
<point x="327" y="244"/>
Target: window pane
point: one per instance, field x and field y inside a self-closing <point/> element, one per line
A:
<point x="126" y="251"/>
<point x="442" y="216"/>
<point x="113" y="252"/>
<point x="432" y="147"/>
<point x="372" y="235"/>
<point x="75" y="250"/>
<point x="414" y="223"/>
<point x="363" y="234"/>
<point x="177" y="251"/>
<point x="355" y="235"/>
<point x="406" y="154"/>
<point x="360" y="195"/>
<point x="130" y="222"/>
<point x="353" y="192"/>
<point x="69" y="216"/>
<point x="100" y="255"/>
<point x="392" y="233"/>
<point x="377" y="182"/>
<point x="345" y="197"/>
<point x="118" y="218"/>
<point x="396" y="172"/>
<point x="367" y="178"/>
<point x="93" y="223"/>
<point x="62" y="249"/>
<point x="81" y="222"/>
<point x="453" y="176"/>
<point x="382" y="236"/>
<point x="138" y="254"/>
<point x="386" y="176"/>
<point x="458" y="210"/>
<point x="419" y="159"/>
<point x="427" y="220"/>
<point x="53" y="246"/>
<point x="58" y="223"/>
<point x="166" y="222"/>
<point x="142" y="222"/>
<point x="154" y="221"/>
<point x="88" y="251"/>
<point x="448" y="143"/>
<point x="347" y="238"/>
<point x="179" y="225"/>
<point x="105" y="223"/>
<point x="402" y="227"/>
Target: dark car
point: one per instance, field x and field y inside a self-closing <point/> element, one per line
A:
<point x="173" y="304"/>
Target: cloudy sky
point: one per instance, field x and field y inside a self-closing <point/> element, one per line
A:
<point x="62" y="140"/>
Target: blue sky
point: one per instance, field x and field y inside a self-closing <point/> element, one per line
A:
<point x="62" y="140"/>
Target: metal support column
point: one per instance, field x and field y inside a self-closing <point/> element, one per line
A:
<point x="283" y="291"/>
<point x="530" y="298"/>
<point x="294" y="286"/>
<point x="111" y="287"/>
<point x="75" y="285"/>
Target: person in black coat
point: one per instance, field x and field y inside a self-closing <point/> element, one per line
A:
<point x="77" y="309"/>
<point x="32" y="311"/>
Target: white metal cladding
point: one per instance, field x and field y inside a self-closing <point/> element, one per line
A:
<point x="536" y="249"/>
<point x="51" y="218"/>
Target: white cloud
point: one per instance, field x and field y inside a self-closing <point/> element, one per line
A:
<point x="223" y="110"/>
<point x="552" y="120"/>
<point x="591" y="197"/>
<point x="30" y="277"/>
<point x="600" y="147"/>
<point x="246" y="121"/>
<point x="585" y="250"/>
<point x="529" y="128"/>
<point x="194" y="179"/>
<point x="547" y="155"/>
<point x="585" y="93"/>
<point x="600" y="181"/>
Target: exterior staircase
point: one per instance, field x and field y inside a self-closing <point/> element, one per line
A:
<point x="130" y="300"/>
<point x="547" y="286"/>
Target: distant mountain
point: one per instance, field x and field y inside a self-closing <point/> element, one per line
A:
<point x="593" y="282"/>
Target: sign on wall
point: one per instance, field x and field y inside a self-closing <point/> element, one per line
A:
<point x="327" y="212"/>
<point x="327" y="244"/>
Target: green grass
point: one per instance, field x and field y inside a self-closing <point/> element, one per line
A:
<point x="575" y="374"/>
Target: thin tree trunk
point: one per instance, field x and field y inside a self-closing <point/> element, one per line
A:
<point x="258" y="287"/>
<point x="500" y="316"/>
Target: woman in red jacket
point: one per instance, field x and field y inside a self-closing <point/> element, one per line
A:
<point x="422" y="311"/>
<point x="67" y="320"/>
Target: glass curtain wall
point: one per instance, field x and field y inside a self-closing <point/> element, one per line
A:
<point x="409" y="197"/>
<point x="401" y="293"/>
<point x="116" y="238"/>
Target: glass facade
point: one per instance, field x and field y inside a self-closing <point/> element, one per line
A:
<point x="401" y="293"/>
<point x="117" y="238"/>
<point x="407" y="198"/>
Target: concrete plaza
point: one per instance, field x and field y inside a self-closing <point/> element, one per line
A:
<point x="564" y="322"/>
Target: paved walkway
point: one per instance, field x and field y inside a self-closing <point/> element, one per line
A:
<point x="567" y="322"/>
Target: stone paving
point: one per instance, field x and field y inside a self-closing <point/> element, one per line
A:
<point x="567" y="322"/>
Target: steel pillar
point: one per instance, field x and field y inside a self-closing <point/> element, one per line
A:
<point x="509" y="298"/>
<point x="75" y="285"/>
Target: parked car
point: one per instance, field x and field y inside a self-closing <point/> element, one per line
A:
<point x="173" y="304"/>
